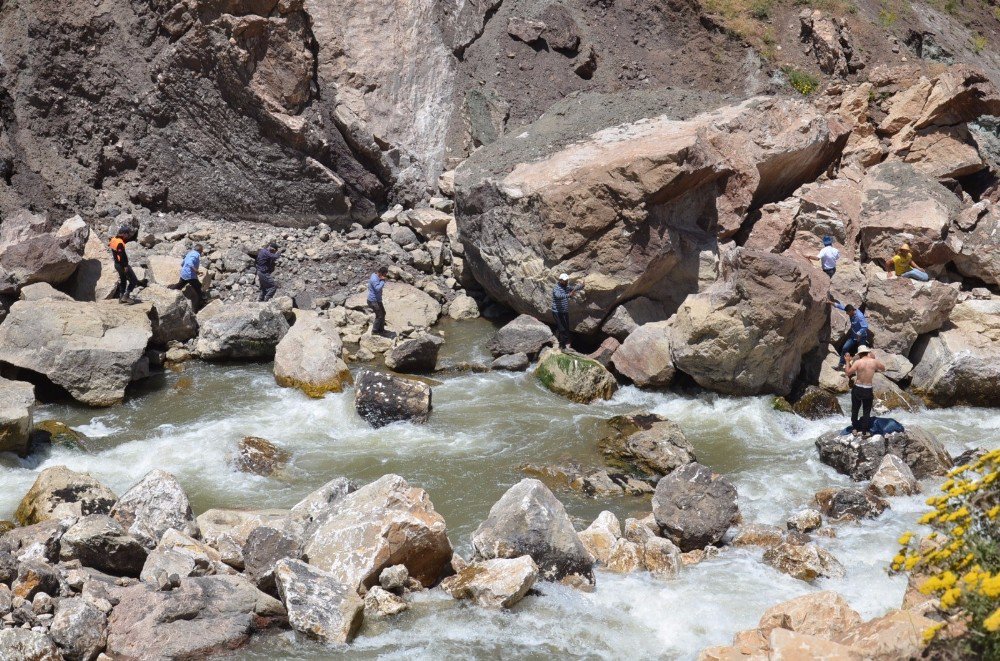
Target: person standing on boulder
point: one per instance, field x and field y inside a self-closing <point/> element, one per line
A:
<point x="376" y="283"/>
<point x="903" y="266"/>
<point x="859" y="333"/>
<point x="189" y="274"/>
<point x="127" y="281"/>
<point x="267" y="259"/>
<point x="828" y="256"/>
<point x="560" y="308"/>
<point x="863" y="368"/>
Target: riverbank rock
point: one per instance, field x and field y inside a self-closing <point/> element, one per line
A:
<point x="647" y="444"/>
<point x="747" y="333"/>
<point x="36" y="249"/>
<point x="957" y="367"/>
<point x="34" y="577"/>
<point x="310" y="356"/>
<point x="522" y="223"/>
<point x="463" y="307"/>
<point x="529" y="520"/>
<point x="79" y="628"/>
<point x="806" y="562"/>
<point x="515" y="362"/>
<point x="899" y="634"/>
<point x="644" y="356"/>
<point x="93" y="350"/>
<point x="600" y="536"/>
<point x="894" y="478"/>
<point x="100" y="542"/>
<point x="260" y="456"/>
<point x="850" y="504"/>
<point x="899" y="310"/>
<point x="525" y="334"/>
<point x="384" y="523"/>
<point x="379" y="602"/>
<point x="860" y="457"/>
<point x="60" y="493"/>
<point x="322" y="499"/>
<point x="694" y="507"/>
<point x="382" y="399"/>
<point x="496" y="583"/>
<point x="182" y="556"/>
<point x="265" y="547"/>
<point x="758" y="534"/>
<point x="575" y="377"/>
<point x="406" y="307"/>
<point x="153" y="505"/>
<point x="28" y="645"/>
<point x="816" y="403"/>
<point x="318" y="604"/>
<point x="202" y="616"/>
<point x="171" y="314"/>
<point x="240" y="331"/>
<point x="805" y="520"/>
<point x="40" y="540"/>
<point x="415" y="355"/>
<point x="17" y="409"/>
<point x="826" y="614"/>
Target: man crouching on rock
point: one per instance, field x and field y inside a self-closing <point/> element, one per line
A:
<point x="376" y="283"/>
<point x="863" y="368"/>
<point x="560" y="308"/>
<point x="267" y="259"/>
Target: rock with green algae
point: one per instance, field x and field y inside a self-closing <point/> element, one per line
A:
<point x="575" y="377"/>
<point x="59" y="433"/>
<point x="817" y="403"/>
<point x="781" y="404"/>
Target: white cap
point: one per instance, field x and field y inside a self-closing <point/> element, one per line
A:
<point x="863" y="349"/>
<point x="564" y="276"/>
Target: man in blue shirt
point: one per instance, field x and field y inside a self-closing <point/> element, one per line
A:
<point x="376" y="283"/>
<point x="859" y="333"/>
<point x="560" y="308"/>
<point x="267" y="258"/>
<point x="189" y="275"/>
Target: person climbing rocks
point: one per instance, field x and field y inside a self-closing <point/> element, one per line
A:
<point x="902" y="265"/>
<point x="560" y="308"/>
<point x="828" y="256"/>
<point x="863" y="368"/>
<point x="859" y="333"/>
<point x="376" y="283"/>
<point x="127" y="280"/>
<point x="189" y="274"/>
<point x="267" y="259"/>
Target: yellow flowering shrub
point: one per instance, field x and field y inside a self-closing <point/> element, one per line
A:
<point x="961" y="558"/>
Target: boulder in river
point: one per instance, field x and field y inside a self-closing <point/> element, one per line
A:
<point x="59" y="493"/>
<point x="260" y="456"/>
<point x="417" y="354"/>
<point x="93" y="350"/>
<point x="17" y="408"/>
<point x="380" y="602"/>
<point x="172" y="315"/>
<point x="61" y="434"/>
<point x="525" y="334"/>
<point x="264" y="549"/>
<point x="850" y="503"/>
<point x="529" y="520"/>
<point x="384" y="523"/>
<point x="646" y="443"/>
<point x="406" y="307"/>
<point x="496" y="583"/>
<point x="100" y="542"/>
<point x="600" y="536"/>
<point x="514" y="362"/>
<point x="324" y="498"/>
<point x="574" y="376"/>
<point x="644" y="356"/>
<point x="310" y="356"/>
<point x="860" y="457"/>
<point x="806" y="562"/>
<point x="36" y="249"/>
<point x="382" y="399"/>
<point x="894" y="478"/>
<point x="817" y="403"/>
<point x="240" y="331"/>
<point x="694" y="506"/>
<point x="318" y="603"/>
<point x="153" y="505"/>
<point x="826" y="614"/>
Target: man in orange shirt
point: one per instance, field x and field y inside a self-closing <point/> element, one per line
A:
<point x="126" y="276"/>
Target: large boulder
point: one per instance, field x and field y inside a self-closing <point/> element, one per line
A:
<point x="28" y="645"/>
<point x="79" y="628"/>
<point x="850" y="504"/>
<point x="899" y="634"/>
<point x="314" y="504"/>
<point x="529" y="520"/>
<point x="319" y="604"/>
<point x="644" y="356"/>
<point x="961" y="364"/>
<point x="806" y="562"/>
<point x="95" y="278"/>
<point x="382" y="524"/>
<point x="416" y="354"/>
<point x="153" y="505"/>
<point x="406" y="307"/>
<point x="825" y="614"/>
<point x="59" y="493"/>
<point x="36" y="249"/>
<point x="240" y="330"/>
<point x="574" y="376"/>
<point x="310" y="356"/>
<point x="900" y="309"/>
<point x="972" y="242"/>
<point x="694" y="507"/>
<point x="260" y="456"/>
<point x="39" y="541"/>
<point x="92" y="350"/>
<point x="524" y="334"/>
<point x="861" y="457"/>
<point x="496" y="583"/>
<point x="171" y="313"/>
<point x="682" y="182"/>
<point x="382" y="399"/>
<point x="747" y="333"/>
<point x="182" y="556"/>
<point x="894" y="478"/>
<point x="100" y="542"/>
<point x="264" y="549"/>
<point x="647" y="444"/>
<point x="17" y="408"/>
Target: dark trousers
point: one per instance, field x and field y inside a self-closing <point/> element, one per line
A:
<point x="852" y="343"/>
<point x="126" y="280"/>
<point x="562" y="328"/>
<point x="379" y="310"/>
<point x="861" y="400"/>
<point x="199" y="295"/>
<point x="267" y="286"/>
<point x="830" y="272"/>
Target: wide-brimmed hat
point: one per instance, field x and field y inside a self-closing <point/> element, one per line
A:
<point x="564" y="276"/>
<point x="905" y="247"/>
<point x="827" y="240"/>
<point x="863" y="350"/>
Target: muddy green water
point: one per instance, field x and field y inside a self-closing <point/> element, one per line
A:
<point x="483" y="427"/>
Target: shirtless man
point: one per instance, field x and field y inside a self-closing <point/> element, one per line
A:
<point x="863" y="369"/>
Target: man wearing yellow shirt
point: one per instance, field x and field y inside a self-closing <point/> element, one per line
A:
<point x="903" y="266"/>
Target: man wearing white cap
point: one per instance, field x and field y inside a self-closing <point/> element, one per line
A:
<point x="863" y="369"/>
<point x="560" y="308"/>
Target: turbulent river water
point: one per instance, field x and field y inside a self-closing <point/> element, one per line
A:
<point x="483" y="427"/>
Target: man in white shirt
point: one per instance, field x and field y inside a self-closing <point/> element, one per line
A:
<point x="828" y="256"/>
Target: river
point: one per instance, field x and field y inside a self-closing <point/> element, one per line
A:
<point x="483" y="427"/>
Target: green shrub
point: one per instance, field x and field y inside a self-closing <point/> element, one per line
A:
<point x="802" y="82"/>
<point x="979" y="43"/>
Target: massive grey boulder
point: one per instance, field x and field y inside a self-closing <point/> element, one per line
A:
<point x="17" y="408"/>
<point x="682" y="182"/>
<point x="850" y="503"/>
<point x="59" y="493"/>
<point x="382" y="399"/>
<point x="647" y="444"/>
<point x="861" y="457"/>
<point x="529" y="520"/>
<point x="152" y="506"/>
<point x="574" y="376"/>
<point x="310" y="356"/>
<point x="240" y="330"/>
<point x="382" y="524"/>
<point x="100" y="542"/>
<point x="36" y="249"/>
<point x="415" y="355"/>
<point x="644" y="356"/>
<point x="525" y="334"/>
<point x="92" y="350"/>
<point x="318" y="603"/>
<point x="79" y="628"/>
<point x="694" y="507"/>
<point x="748" y="332"/>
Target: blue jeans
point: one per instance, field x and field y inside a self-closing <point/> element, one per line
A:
<point x="850" y="345"/>
<point x="916" y="274"/>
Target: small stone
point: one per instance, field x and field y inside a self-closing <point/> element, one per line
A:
<point x="382" y="603"/>
<point x="805" y="520"/>
<point x="394" y="578"/>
